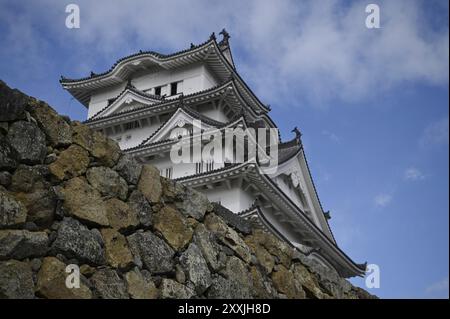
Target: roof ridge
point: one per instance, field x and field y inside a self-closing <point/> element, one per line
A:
<point x="162" y="101"/>
<point x="140" y="52"/>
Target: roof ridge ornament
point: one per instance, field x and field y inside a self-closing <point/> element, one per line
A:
<point x="181" y="100"/>
<point x="130" y="85"/>
<point x="226" y="37"/>
<point x="298" y="134"/>
<point x="212" y="36"/>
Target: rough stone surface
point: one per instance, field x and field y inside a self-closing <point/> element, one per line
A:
<point x="228" y="236"/>
<point x="118" y="254"/>
<point x="140" y="285"/>
<point x="283" y="281"/>
<point x="75" y="199"/>
<point x="141" y="207"/>
<point x="75" y="240"/>
<point x="12" y="211"/>
<point x="9" y="158"/>
<point x="129" y="169"/>
<point x="84" y="202"/>
<point x="174" y="227"/>
<point x="31" y="188"/>
<point x="172" y="191"/>
<point x="20" y="244"/>
<point x="51" y="282"/>
<point x="206" y="241"/>
<point x="233" y="220"/>
<point x="277" y="248"/>
<point x="120" y="215"/>
<point x="266" y="259"/>
<point x="56" y="129"/>
<point x="70" y="163"/>
<point x="12" y="103"/>
<point x="107" y="182"/>
<point x="5" y="178"/>
<point x="308" y="282"/>
<point x="108" y="285"/>
<point x="196" y="268"/>
<point x="16" y="280"/>
<point x="29" y="142"/>
<point x="193" y="204"/>
<point x="223" y="288"/>
<point x="105" y="150"/>
<point x="149" y="184"/>
<point x="170" y="289"/>
<point x="40" y="204"/>
<point x="28" y="178"/>
<point x="155" y="254"/>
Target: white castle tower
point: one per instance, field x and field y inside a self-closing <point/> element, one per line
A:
<point x="142" y="98"/>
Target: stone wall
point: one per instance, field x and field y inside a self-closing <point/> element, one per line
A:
<point x="69" y="196"/>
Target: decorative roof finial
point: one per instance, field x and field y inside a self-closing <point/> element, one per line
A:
<point x="297" y="132"/>
<point x="62" y="78"/>
<point x="327" y="214"/>
<point x="225" y="35"/>
<point x="129" y="84"/>
<point x="192" y="45"/>
<point x="92" y="74"/>
<point x="212" y="36"/>
<point x="181" y="99"/>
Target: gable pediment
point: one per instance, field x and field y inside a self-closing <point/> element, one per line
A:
<point x="127" y="100"/>
<point x="179" y="120"/>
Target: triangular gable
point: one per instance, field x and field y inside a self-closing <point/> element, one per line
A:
<point x="300" y="177"/>
<point x="125" y="101"/>
<point x="179" y="119"/>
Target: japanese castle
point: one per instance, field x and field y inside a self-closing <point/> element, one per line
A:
<point x="142" y="98"/>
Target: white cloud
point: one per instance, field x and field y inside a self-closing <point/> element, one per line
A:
<point x="435" y="134"/>
<point x="438" y="289"/>
<point x="413" y="174"/>
<point x="291" y="51"/>
<point x="382" y="200"/>
<point x="332" y="136"/>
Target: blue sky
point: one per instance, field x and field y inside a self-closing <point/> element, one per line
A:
<point x="372" y="103"/>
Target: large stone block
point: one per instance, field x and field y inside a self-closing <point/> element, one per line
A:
<point x="16" y="280"/>
<point x="152" y="251"/>
<point x="174" y="227"/>
<point x="29" y="142"/>
<point x="75" y="240"/>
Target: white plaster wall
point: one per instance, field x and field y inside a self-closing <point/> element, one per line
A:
<point x="99" y="99"/>
<point x="215" y="114"/>
<point x="235" y="199"/>
<point x="289" y="191"/>
<point x="137" y="136"/>
<point x="294" y="165"/>
<point x="195" y="78"/>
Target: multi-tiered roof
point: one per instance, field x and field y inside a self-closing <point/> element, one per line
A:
<point x="297" y="219"/>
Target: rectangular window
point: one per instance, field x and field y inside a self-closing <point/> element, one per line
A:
<point x="198" y="168"/>
<point x="174" y="88"/>
<point x="209" y="166"/>
<point x="132" y="125"/>
<point x="169" y="171"/>
<point x="158" y="90"/>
